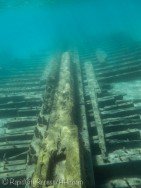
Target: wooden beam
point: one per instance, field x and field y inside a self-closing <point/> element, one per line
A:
<point x="93" y="90"/>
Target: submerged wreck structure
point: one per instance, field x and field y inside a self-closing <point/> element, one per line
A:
<point x="77" y="125"/>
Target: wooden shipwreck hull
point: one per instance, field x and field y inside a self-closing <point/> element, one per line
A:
<point x="79" y="124"/>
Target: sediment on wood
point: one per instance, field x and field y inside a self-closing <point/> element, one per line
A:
<point x="57" y="158"/>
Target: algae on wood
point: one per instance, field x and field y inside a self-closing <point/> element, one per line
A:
<point x="58" y="157"/>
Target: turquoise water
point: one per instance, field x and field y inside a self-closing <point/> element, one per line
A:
<point x="34" y="27"/>
<point x="105" y="32"/>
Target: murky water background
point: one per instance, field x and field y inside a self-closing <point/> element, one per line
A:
<point x="29" y="28"/>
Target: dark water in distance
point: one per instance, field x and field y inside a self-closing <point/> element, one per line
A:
<point x="30" y="29"/>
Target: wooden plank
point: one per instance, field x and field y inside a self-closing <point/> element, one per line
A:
<point x="7" y="91"/>
<point x="14" y="112"/>
<point x="13" y="162"/>
<point x="122" y="126"/>
<point x="90" y="182"/>
<point x="20" y="129"/>
<point x="16" y="174"/>
<point x="122" y="105"/>
<point x="115" y="144"/>
<point x="117" y="120"/>
<point x="93" y="90"/>
<point x="4" y="148"/>
<point x="21" y="123"/>
<point x="14" y="143"/>
<point x="120" y="112"/>
<point x="18" y="135"/>
<point x="121" y="156"/>
<point x="119" y="70"/>
<point x="131" y="134"/>
<point x="121" y="76"/>
<point x="21" y="104"/>
<point x="130" y="182"/>
<point x="7" y="168"/>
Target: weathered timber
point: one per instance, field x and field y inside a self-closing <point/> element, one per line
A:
<point x="105" y="101"/>
<point x="120" y="112"/>
<point x="16" y="132"/>
<point x="127" y="75"/>
<point x="22" y="89"/>
<point x="116" y="120"/>
<point x="124" y="105"/>
<point x="122" y="126"/>
<point x="113" y="171"/>
<point x="123" y="64"/>
<point x="121" y="156"/>
<point x="93" y="90"/>
<point x="110" y="127"/>
<point x="115" y="144"/>
<point x="13" y="112"/>
<point x="131" y="134"/>
<point x="89" y="173"/>
<point x="57" y="158"/>
<point x="120" y="118"/>
<point x="19" y="123"/>
<point x="119" y="70"/>
<point x="121" y="182"/>
<point x="21" y="104"/>
<point x="11" y="98"/>
<point x="19" y="174"/>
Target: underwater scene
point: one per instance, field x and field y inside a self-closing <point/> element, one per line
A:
<point x="70" y="94"/>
